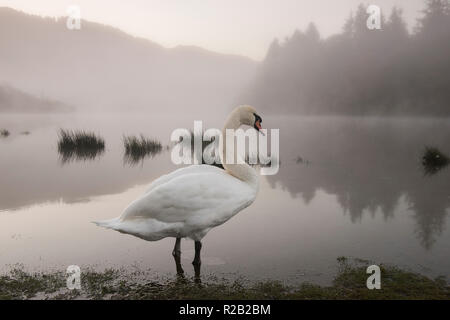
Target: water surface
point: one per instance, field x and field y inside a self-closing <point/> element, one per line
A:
<point x="346" y="187"/>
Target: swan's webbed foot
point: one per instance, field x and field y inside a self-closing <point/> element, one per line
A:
<point x="180" y="271"/>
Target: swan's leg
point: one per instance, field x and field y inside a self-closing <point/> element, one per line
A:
<point x="198" y="247"/>
<point x="177" y="256"/>
<point x="197" y="262"/>
<point x="177" y="248"/>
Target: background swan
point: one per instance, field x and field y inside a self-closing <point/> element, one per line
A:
<point x="188" y="202"/>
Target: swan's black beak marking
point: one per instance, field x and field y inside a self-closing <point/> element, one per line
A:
<point x="257" y="124"/>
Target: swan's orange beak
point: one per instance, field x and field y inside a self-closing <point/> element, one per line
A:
<point x="258" y="125"/>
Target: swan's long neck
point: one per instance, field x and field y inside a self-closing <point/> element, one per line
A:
<point x="241" y="171"/>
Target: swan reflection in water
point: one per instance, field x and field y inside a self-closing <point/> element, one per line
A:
<point x="190" y="201"/>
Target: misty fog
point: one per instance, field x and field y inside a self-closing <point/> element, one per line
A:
<point x="100" y="68"/>
<point x="361" y="71"/>
<point x="355" y="112"/>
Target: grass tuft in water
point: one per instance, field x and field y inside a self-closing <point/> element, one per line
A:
<point x="139" y="147"/>
<point x="433" y="160"/>
<point x="79" y="145"/>
<point x="4" y="133"/>
<point x="301" y="160"/>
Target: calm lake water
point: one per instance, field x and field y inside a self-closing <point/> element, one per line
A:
<point x="346" y="187"/>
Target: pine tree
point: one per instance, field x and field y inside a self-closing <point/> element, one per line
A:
<point x="436" y="17"/>
<point x="396" y="25"/>
<point x="312" y="32"/>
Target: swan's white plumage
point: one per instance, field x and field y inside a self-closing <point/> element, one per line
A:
<point x="188" y="202"/>
<point x="185" y="203"/>
<point x="191" y="169"/>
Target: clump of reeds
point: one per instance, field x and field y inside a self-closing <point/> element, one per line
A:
<point x="4" y="133"/>
<point x="139" y="147"/>
<point x="301" y="160"/>
<point x="79" y="145"/>
<point x="433" y="160"/>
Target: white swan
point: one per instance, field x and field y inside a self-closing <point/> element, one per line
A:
<point x="188" y="202"/>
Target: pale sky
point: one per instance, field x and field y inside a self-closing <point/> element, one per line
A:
<point x="243" y="27"/>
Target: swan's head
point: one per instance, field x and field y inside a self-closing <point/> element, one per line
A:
<point x="248" y="116"/>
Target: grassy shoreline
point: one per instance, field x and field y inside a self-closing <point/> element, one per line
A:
<point x="349" y="284"/>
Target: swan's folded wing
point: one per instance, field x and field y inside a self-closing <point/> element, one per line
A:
<point x="200" y="198"/>
<point x="186" y="170"/>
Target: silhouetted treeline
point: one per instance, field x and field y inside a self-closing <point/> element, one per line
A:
<point x="362" y="71"/>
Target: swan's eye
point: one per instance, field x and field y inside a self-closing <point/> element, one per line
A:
<point x="257" y="118"/>
<point x="258" y="122"/>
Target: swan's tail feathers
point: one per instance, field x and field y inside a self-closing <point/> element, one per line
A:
<point x="147" y="229"/>
<point x="108" y="224"/>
